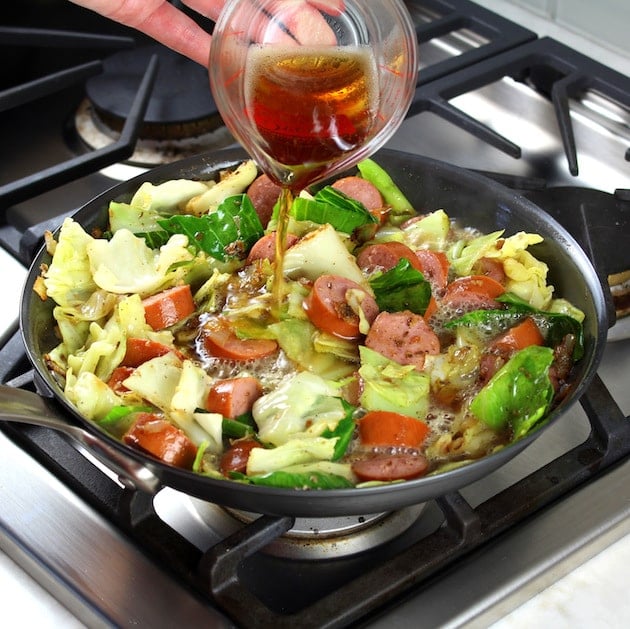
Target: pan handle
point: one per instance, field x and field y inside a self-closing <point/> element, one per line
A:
<point x="25" y="407"/>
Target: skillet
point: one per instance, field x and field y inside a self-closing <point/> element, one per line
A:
<point x="429" y="184"/>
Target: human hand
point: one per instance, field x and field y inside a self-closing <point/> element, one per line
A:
<point x="164" y="22"/>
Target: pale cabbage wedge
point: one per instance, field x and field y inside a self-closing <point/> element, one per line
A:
<point x="430" y="231"/>
<point x="175" y="388"/>
<point x="92" y="397"/>
<point x="294" y="452"/>
<point x="463" y="255"/>
<point x="234" y="183"/>
<point x="322" y="252"/>
<point x="125" y="264"/>
<point x="68" y="279"/>
<point x="304" y="402"/>
<point x="389" y="386"/>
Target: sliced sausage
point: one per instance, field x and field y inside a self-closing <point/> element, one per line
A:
<point x="168" y="307"/>
<point x="263" y="193"/>
<point x="329" y="309"/>
<point x="218" y="339"/>
<point x="362" y="191"/>
<point x="119" y="375"/>
<point x="391" y="467"/>
<point x="138" y="351"/>
<point x="235" y="458"/>
<point x="265" y="247"/>
<point x="434" y="266"/>
<point x="155" y="435"/>
<point x="492" y="268"/>
<point x="403" y="337"/>
<point x="234" y="396"/>
<point x="474" y="292"/>
<point x="385" y="255"/>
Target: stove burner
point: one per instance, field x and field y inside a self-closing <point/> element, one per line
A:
<point x="181" y="117"/>
<point x="308" y="538"/>
<point x="181" y="104"/>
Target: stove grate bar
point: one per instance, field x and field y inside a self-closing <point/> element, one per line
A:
<point x="71" y="169"/>
<point x="53" y="38"/>
<point x="549" y="66"/>
<point x="16" y="96"/>
<point x="453" y="15"/>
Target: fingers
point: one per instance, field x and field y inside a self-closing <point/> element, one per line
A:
<point x="302" y="21"/>
<point x="207" y="8"/>
<point x="177" y="31"/>
<point x="161" y="21"/>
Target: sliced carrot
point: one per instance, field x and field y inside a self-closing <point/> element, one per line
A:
<point x="220" y="340"/>
<point x="392" y="429"/>
<point x="522" y="335"/>
<point x="234" y="396"/>
<point x="434" y="266"/>
<point x="155" y="435"/>
<point x="168" y="307"/>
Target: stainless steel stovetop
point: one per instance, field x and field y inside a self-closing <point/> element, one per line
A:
<point x="94" y="563"/>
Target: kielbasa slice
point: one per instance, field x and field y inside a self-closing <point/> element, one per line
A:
<point x="233" y="397"/>
<point x="157" y="436"/>
<point x="329" y="309"/>
<point x="393" y="467"/>
<point x="404" y="337"/>
<point x="265" y="247"/>
<point x="360" y="190"/>
<point x="263" y="193"/>
<point x="385" y="256"/>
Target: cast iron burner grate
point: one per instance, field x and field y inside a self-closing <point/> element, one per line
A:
<point x="359" y="587"/>
<point x="550" y="67"/>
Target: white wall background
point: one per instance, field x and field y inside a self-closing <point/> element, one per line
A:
<point x="598" y="28"/>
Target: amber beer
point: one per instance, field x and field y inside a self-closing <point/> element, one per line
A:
<point x="311" y="106"/>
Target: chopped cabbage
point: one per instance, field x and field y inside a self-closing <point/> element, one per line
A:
<point x="68" y="279"/>
<point x="168" y="197"/>
<point x="430" y="231"/>
<point x="304" y="401"/>
<point x="388" y="386"/>
<point x="294" y="452"/>
<point x="156" y="380"/>
<point x="463" y="256"/>
<point x="322" y="252"/>
<point x="92" y="397"/>
<point x="235" y="182"/>
<point x="125" y="264"/>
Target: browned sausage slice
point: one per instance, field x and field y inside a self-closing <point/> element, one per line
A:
<point x="328" y="308"/>
<point x="158" y="437"/>
<point x="234" y="396"/>
<point x="265" y="247"/>
<point x="391" y="467"/>
<point x="385" y="255"/>
<point x="264" y="193"/>
<point x="403" y="337"/>
<point x="360" y="190"/>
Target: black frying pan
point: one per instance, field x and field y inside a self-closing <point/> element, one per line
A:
<point x="430" y="185"/>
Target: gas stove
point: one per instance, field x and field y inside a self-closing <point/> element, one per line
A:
<point x="491" y="96"/>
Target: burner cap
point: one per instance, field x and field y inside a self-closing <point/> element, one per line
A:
<point x="181" y="104"/>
